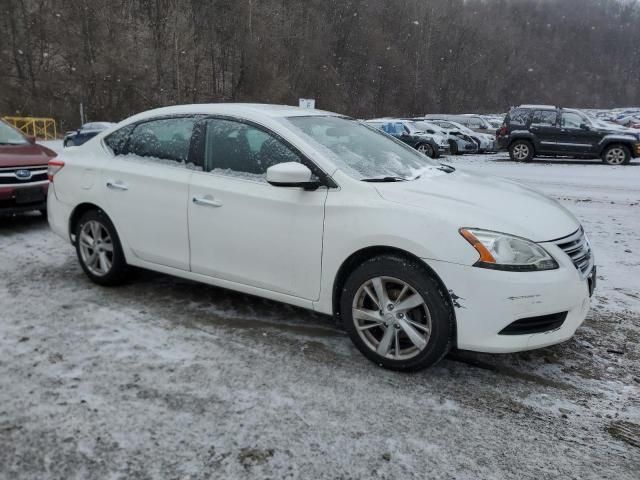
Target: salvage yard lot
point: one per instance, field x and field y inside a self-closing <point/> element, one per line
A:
<point x="165" y="378"/>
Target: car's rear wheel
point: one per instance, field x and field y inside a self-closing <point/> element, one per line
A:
<point x="616" y="155"/>
<point x="396" y="314"/>
<point x="99" y="249"/>
<point x="521" y="151"/>
<point x="426" y="149"/>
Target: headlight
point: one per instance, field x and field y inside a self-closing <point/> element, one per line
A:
<point x="499" y="251"/>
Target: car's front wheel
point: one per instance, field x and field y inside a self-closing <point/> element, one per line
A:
<point x="99" y="249"/>
<point x="521" y="151"/>
<point x="616" y="155"/>
<point x="397" y="314"/>
<point x="426" y="149"/>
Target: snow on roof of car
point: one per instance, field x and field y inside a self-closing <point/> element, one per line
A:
<point x="537" y="106"/>
<point x="276" y="111"/>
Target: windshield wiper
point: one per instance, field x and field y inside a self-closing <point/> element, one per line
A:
<point x="385" y="179"/>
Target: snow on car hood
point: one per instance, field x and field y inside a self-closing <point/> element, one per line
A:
<point x="24" y="154"/>
<point x="467" y="199"/>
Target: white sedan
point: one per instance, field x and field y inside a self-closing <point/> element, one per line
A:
<point x="321" y="211"/>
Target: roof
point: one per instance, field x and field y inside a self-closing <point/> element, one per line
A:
<point x="541" y="107"/>
<point x="240" y="109"/>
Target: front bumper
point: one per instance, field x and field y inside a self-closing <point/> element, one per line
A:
<point x="23" y="198"/>
<point x="488" y="301"/>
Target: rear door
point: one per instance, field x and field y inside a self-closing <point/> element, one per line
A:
<point x="146" y="187"/>
<point x="546" y="131"/>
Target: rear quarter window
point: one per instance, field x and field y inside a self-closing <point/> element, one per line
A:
<point x="117" y="141"/>
<point x="519" y="117"/>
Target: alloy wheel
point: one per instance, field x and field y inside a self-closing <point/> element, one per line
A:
<point x="391" y="318"/>
<point x="96" y="248"/>
<point x="615" y="156"/>
<point x="521" y="152"/>
<point x="426" y="149"/>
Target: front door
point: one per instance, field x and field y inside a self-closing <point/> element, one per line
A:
<point x="577" y="136"/>
<point x="243" y="229"/>
<point x="146" y="188"/>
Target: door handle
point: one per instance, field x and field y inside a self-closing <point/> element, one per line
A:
<point x="116" y="185"/>
<point x="207" y="201"/>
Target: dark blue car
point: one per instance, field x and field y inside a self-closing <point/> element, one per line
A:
<point x="84" y="133"/>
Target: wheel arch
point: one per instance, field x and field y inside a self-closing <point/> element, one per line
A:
<point x="367" y="253"/>
<point x="610" y="142"/>
<point x="522" y="137"/>
<point x="77" y="213"/>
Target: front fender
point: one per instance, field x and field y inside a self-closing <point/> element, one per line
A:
<point x="628" y="140"/>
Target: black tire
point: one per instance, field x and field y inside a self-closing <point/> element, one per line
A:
<point x="427" y="149"/>
<point x="422" y="282"/>
<point x="623" y="156"/>
<point x="117" y="274"/>
<point x="67" y="143"/>
<point x="521" y="151"/>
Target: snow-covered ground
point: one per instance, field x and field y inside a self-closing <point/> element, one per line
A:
<point x="166" y="378"/>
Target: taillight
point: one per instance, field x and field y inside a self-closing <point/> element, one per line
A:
<point x="54" y="167"/>
<point x="503" y="130"/>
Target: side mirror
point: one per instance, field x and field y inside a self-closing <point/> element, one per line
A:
<point x="292" y="174"/>
<point x="31" y="139"/>
<point x="584" y="126"/>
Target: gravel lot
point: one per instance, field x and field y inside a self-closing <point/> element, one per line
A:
<point x="166" y="378"/>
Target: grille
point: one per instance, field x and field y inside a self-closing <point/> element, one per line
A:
<point x="577" y="247"/>
<point x="526" y="326"/>
<point x="8" y="176"/>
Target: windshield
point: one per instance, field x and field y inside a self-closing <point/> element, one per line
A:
<point x="10" y="136"/>
<point x="363" y="152"/>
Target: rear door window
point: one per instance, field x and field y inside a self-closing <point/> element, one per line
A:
<point x="519" y="117"/>
<point x="117" y="141"/>
<point x="165" y="139"/>
<point x="547" y="118"/>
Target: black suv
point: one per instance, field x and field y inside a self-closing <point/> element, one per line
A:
<point x="532" y="130"/>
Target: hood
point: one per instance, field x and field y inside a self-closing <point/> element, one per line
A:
<point x="465" y="199"/>
<point x="618" y="130"/>
<point x="436" y="137"/>
<point x="24" y="155"/>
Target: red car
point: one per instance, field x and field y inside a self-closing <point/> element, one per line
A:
<point x="23" y="172"/>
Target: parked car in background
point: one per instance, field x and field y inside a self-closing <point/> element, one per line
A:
<point x="431" y="144"/>
<point x="459" y="143"/>
<point x="23" y="172"/>
<point x="324" y="212"/>
<point x="531" y="130"/>
<point x="84" y="133"/>
<point x="477" y="123"/>
<point x="486" y="142"/>
<point x="495" y="122"/>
